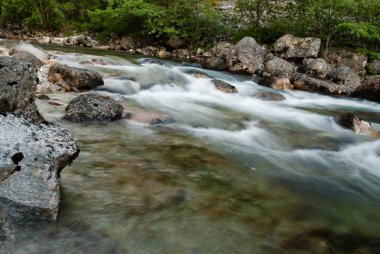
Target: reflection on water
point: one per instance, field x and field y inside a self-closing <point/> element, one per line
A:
<point x="233" y="174"/>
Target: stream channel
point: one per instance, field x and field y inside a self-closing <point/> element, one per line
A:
<point x="232" y="173"/>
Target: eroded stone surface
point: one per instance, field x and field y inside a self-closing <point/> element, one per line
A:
<point x="37" y="152"/>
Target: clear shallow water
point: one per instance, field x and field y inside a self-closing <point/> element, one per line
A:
<point x="233" y="174"/>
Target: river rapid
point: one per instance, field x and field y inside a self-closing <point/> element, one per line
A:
<point x="231" y="174"/>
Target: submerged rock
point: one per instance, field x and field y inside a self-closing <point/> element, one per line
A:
<point x="360" y="127"/>
<point x="369" y="89"/>
<point x="33" y="154"/>
<point x="75" y="78"/>
<point x="152" y="118"/>
<point x="246" y="56"/>
<point x="270" y="96"/>
<point x="17" y="88"/>
<point x="93" y="108"/>
<point x="290" y="46"/>
<point x="224" y="86"/>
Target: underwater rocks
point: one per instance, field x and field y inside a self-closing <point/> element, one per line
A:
<point x="151" y="118"/>
<point x="93" y="108"/>
<point x="224" y="86"/>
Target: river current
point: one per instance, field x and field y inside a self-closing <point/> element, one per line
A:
<point x="232" y="173"/>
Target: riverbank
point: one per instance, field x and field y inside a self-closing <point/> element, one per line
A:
<point x="290" y="63"/>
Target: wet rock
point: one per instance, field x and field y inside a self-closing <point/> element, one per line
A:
<point x="305" y="83"/>
<point x="345" y="77"/>
<point x="224" y="86"/>
<point x="318" y="241"/>
<point x="76" y="78"/>
<point x="93" y="108"/>
<point x="163" y="53"/>
<point x="369" y="89"/>
<point x="374" y="68"/>
<point x="184" y="54"/>
<point x="282" y="84"/>
<point x="17" y="46"/>
<point x="290" y="46"/>
<point x="37" y="152"/>
<point x="151" y="61"/>
<point x="193" y="65"/>
<point x="270" y="96"/>
<point x="147" y="51"/>
<point x="246" y="56"/>
<point x="360" y="127"/>
<point x="318" y="68"/>
<point x="17" y="88"/>
<point x="152" y="118"/>
<point x="86" y="63"/>
<point x="28" y="57"/>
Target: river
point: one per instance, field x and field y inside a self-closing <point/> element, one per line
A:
<point x="231" y="174"/>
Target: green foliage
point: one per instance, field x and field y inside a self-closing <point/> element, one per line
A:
<point x="192" y="19"/>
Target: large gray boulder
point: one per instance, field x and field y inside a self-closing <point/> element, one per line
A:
<point x="369" y="89"/>
<point x="93" y="108"/>
<point x="75" y="78"/>
<point x="17" y="46"/>
<point x="345" y="77"/>
<point x="32" y="156"/>
<point x="17" y="88"/>
<point x="279" y="68"/>
<point x="318" y="68"/>
<point x="246" y="56"/>
<point x="290" y="46"/>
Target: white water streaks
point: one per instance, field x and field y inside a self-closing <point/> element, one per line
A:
<point x="299" y="134"/>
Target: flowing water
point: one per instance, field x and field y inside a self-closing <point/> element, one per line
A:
<point x="231" y="174"/>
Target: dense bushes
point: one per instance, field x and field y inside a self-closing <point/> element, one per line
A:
<point x="352" y="23"/>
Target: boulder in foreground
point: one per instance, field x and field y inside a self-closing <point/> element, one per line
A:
<point x="32" y="156"/>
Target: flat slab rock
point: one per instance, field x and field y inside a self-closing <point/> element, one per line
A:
<point x="32" y="156"/>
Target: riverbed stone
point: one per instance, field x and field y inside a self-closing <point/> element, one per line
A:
<point x="246" y="56"/>
<point x="270" y="96"/>
<point x="17" y="88"/>
<point x="93" y="108"/>
<point x="359" y="126"/>
<point x="31" y="159"/>
<point x="76" y="78"/>
<point x="28" y="57"/>
<point x="290" y="46"/>
<point x="369" y="89"/>
<point x="224" y="86"/>
<point x="306" y="83"/>
<point x="151" y="118"/>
